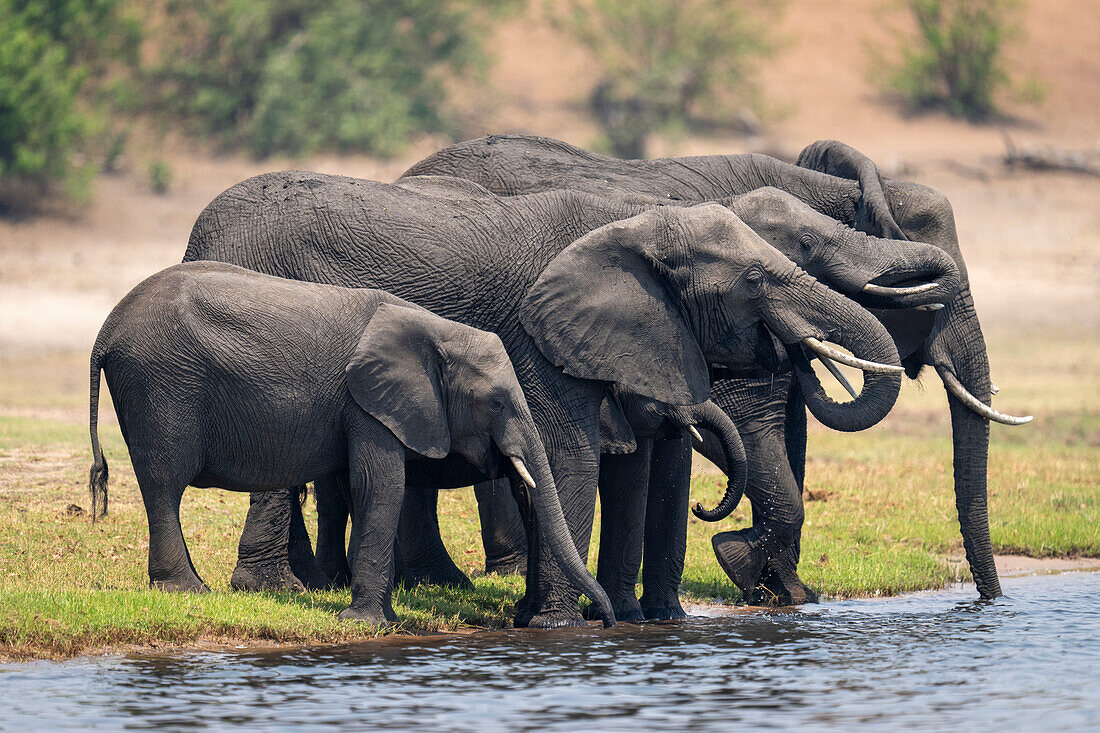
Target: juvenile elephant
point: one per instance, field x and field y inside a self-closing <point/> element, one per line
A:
<point x="582" y="290"/>
<point x="226" y="377"/>
<point x="838" y="181"/>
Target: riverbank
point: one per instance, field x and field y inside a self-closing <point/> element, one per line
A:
<point x="879" y="519"/>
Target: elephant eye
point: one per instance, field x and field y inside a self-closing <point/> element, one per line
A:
<point x="755" y="280"/>
<point x="807" y="241"/>
<point x="496" y="404"/>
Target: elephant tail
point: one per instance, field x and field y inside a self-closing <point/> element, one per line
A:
<point x="97" y="478"/>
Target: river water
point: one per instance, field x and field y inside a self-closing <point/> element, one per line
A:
<point x="931" y="661"/>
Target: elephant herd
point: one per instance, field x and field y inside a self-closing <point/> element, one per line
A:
<point x="544" y="323"/>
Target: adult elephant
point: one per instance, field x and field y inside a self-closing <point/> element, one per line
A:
<point x="841" y="183"/>
<point x="582" y="290"/>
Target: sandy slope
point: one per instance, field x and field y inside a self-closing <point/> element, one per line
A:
<point x="1031" y="241"/>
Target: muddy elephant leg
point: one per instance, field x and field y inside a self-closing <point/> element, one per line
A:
<point x="262" y="559"/>
<point x="623" y="488"/>
<point x="666" y="529"/>
<point x="502" y="532"/>
<point x="770" y="546"/>
<point x="780" y="582"/>
<point x="419" y="554"/>
<point x="333" y="499"/>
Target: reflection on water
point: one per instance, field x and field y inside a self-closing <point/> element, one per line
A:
<point x="929" y="661"/>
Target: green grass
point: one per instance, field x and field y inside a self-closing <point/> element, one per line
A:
<point x="881" y="520"/>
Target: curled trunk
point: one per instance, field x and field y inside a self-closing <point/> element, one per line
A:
<point x="863" y="335"/>
<point x="711" y="418"/>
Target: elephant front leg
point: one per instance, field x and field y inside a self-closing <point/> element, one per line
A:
<point x="666" y="529"/>
<point x="419" y="554"/>
<point x="376" y="474"/>
<point x="502" y="532"/>
<point x="623" y="487"/>
<point x="263" y="562"/>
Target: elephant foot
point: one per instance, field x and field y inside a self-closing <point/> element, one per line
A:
<point x="273" y="576"/>
<point x="551" y="620"/>
<point x="666" y="611"/>
<point x="180" y="584"/>
<point x="781" y="586"/>
<point x="438" y="574"/>
<point x="742" y="558"/>
<point x="372" y="616"/>
<point x="508" y="565"/>
<point x="625" y="610"/>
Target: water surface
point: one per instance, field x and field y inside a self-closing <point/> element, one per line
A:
<point x="930" y="661"/>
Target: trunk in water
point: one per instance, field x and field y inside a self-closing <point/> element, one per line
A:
<point x="862" y="334"/>
<point x="713" y="420"/>
<point x="961" y="347"/>
<point x="552" y="525"/>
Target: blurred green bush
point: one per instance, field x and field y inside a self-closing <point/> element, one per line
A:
<point x="668" y="63"/>
<point x="296" y="76"/>
<point x="53" y="56"/>
<point x="957" y="63"/>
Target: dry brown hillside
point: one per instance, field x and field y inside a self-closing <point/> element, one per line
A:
<point x="1031" y="240"/>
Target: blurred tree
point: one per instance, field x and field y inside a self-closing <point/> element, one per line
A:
<point x="957" y="62"/>
<point x="295" y="76"/>
<point x="54" y="58"/>
<point x="668" y="62"/>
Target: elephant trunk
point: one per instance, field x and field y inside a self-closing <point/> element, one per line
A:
<point x="551" y="520"/>
<point x="873" y="212"/>
<point x="957" y="345"/>
<point x="712" y="419"/>
<point x="903" y="274"/>
<point x="875" y="353"/>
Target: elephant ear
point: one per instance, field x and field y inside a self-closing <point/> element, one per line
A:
<point x="396" y="376"/>
<point x="603" y="310"/>
<point x="616" y="435"/>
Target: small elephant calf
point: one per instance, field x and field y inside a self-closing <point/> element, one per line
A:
<point x="230" y="378"/>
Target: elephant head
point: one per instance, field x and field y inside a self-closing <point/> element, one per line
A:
<point x="950" y="340"/>
<point x="649" y="302"/>
<point x="876" y="273"/>
<point x="624" y="415"/>
<point x="444" y="387"/>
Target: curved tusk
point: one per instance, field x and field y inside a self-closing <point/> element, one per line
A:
<point x="895" y="292"/>
<point x="931" y="307"/>
<point x="873" y="367"/>
<point x="695" y="433"/>
<point x="954" y="386"/>
<point x="835" y="371"/>
<point x="524" y="474"/>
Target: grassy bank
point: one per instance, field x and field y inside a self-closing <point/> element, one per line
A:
<point x="880" y="518"/>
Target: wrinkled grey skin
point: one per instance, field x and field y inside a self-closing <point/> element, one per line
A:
<point x="226" y="377"/>
<point x="843" y="258"/>
<point x="626" y="421"/>
<point x="582" y="290"/>
<point x="841" y="183"/>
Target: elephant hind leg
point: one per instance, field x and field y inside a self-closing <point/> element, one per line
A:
<point x="419" y="553"/>
<point x="170" y="566"/>
<point x="263" y="562"/>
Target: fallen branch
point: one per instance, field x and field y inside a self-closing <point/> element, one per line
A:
<point x="1049" y="159"/>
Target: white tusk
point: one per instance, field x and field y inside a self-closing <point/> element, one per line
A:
<point x="931" y="307"/>
<point x="695" y="433"/>
<point x="888" y="291"/>
<point x="993" y="388"/>
<point x="862" y="364"/>
<point x="835" y="371"/>
<point x="524" y="474"/>
<point x="954" y="386"/>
